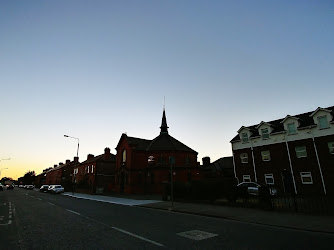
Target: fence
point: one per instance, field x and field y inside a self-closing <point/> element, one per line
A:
<point x="320" y="205"/>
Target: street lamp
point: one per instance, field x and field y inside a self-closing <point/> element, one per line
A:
<point x="3" y="168"/>
<point x="76" y="163"/>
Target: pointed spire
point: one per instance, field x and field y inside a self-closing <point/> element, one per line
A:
<point x="164" y="127"/>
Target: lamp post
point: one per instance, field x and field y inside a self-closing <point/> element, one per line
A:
<point x="76" y="163"/>
<point x="3" y="168"/>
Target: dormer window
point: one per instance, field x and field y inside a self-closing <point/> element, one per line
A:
<point x="244" y="137"/>
<point x="323" y="122"/>
<point x="292" y="128"/>
<point x="265" y="133"/>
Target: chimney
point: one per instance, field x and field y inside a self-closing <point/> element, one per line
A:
<point x="76" y="159"/>
<point x="107" y="155"/>
<point x="60" y="163"/>
<point x="68" y="161"/>
<point x="55" y="166"/>
<point x="90" y="156"/>
<point x="206" y="161"/>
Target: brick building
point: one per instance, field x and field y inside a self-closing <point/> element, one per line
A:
<point x="96" y="174"/>
<point x="60" y="174"/>
<point x="142" y="165"/>
<point x="294" y="153"/>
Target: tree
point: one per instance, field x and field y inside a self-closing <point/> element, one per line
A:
<point x="29" y="177"/>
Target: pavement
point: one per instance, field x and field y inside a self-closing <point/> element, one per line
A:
<point x="297" y="221"/>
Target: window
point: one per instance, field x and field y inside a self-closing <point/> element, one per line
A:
<point x="306" y="177"/>
<point x="331" y="147"/>
<point x="301" y="151"/>
<point x="244" y="137"/>
<point x="269" y="178"/>
<point x="265" y="155"/>
<point x="292" y="128"/>
<point x="246" y="178"/>
<point x="244" y="158"/>
<point x="124" y="156"/>
<point x="265" y="133"/>
<point x="92" y="169"/>
<point x="322" y="122"/>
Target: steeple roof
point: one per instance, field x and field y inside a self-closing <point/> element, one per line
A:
<point x="164" y="127"/>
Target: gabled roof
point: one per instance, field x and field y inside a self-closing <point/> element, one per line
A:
<point x="261" y="123"/>
<point x="165" y="142"/>
<point x="93" y="159"/>
<point x="243" y="127"/>
<point x="322" y="109"/>
<point x="289" y="116"/>
<point x="305" y="121"/>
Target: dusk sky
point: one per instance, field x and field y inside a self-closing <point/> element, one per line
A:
<point x="97" y="69"/>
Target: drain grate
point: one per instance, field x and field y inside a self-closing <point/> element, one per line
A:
<point x="197" y="235"/>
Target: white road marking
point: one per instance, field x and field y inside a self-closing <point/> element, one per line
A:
<point x="9" y="215"/>
<point x="39" y="199"/>
<point x="73" y="212"/>
<point x="137" y="236"/>
<point x="51" y="203"/>
<point x="126" y="232"/>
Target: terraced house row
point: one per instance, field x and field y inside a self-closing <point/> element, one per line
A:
<point x="294" y="153"/>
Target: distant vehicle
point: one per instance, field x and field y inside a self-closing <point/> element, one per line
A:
<point x="21" y="186"/>
<point x="9" y="187"/>
<point x="56" y="189"/>
<point x="247" y="189"/>
<point x="44" y="188"/>
<point x="29" y="187"/>
<point x="1" y="187"/>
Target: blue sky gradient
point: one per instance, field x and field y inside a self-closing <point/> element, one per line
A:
<point x="96" y="69"/>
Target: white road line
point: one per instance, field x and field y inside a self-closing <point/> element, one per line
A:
<point x="39" y="199"/>
<point x="126" y="232"/>
<point x="73" y="212"/>
<point x="137" y="236"/>
<point x="51" y="203"/>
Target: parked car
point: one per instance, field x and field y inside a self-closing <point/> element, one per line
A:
<point x="44" y="188"/>
<point x="9" y="187"/>
<point x="21" y="186"/>
<point x="56" y="189"/>
<point x="29" y="187"/>
<point x="248" y="189"/>
<point x="1" y="187"/>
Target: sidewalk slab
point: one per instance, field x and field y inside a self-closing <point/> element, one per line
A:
<point x="110" y="199"/>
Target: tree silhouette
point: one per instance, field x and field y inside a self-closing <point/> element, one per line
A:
<point x="29" y="177"/>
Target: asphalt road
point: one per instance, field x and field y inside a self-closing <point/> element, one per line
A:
<point x="33" y="220"/>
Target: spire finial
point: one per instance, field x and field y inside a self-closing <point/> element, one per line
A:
<point x="164" y="102"/>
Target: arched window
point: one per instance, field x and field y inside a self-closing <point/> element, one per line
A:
<point x="124" y="156"/>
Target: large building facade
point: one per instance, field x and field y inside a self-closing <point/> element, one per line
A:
<point x="143" y="165"/>
<point x="294" y="153"/>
